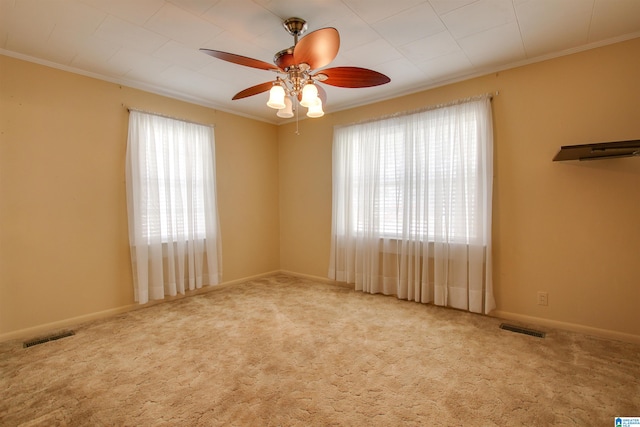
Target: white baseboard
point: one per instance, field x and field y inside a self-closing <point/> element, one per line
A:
<point x="573" y="327"/>
<point x="48" y="328"/>
<point x="317" y="278"/>
<point x="67" y="323"/>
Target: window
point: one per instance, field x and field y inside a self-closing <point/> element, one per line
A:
<point x="174" y="162"/>
<point x="411" y="212"/>
<point x="167" y="183"/>
<point x="171" y="199"/>
<point x="414" y="176"/>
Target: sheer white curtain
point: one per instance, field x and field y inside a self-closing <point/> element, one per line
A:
<point x="171" y="201"/>
<point x="412" y="206"/>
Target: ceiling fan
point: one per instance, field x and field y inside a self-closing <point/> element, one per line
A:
<point x="299" y="69"/>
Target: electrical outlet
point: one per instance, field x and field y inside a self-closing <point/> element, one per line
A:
<point x="543" y="298"/>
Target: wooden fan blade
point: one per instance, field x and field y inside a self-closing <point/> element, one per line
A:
<point x="240" y="60"/>
<point x="353" y="77"/>
<point x="322" y="94"/>
<point x="317" y="48"/>
<point x="253" y="90"/>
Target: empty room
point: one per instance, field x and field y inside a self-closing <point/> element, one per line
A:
<point x="336" y="212"/>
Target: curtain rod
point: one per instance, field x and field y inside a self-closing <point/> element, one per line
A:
<point x="129" y="109"/>
<point x="423" y="109"/>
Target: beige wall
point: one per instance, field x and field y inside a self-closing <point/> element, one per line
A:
<point x="571" y="229"/>
<point x="63" y="222"/>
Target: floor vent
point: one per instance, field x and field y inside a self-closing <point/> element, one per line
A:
<point x="521" y="330"/>
<point x="43" y="340"/>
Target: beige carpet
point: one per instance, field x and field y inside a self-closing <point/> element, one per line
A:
<point x="283" y="351"/>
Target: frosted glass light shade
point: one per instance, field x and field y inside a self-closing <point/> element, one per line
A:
<point x="315" y="110"/>
<point x="287" y="111"/>
<point x="276" y="97"/>
<point x="309" y="95"/>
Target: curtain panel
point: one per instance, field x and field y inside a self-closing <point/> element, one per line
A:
<point x="171" y="201"/>
<point x="411" y="211"/>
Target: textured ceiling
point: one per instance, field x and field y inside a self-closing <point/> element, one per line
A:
<point x="153" y="44"/>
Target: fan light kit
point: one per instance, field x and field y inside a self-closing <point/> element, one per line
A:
<point x="299" y="71"/>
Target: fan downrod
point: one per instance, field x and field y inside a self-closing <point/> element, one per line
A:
<point x="296" y="27"/>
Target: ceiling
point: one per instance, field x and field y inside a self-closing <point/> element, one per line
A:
<point x="153" y="44"/>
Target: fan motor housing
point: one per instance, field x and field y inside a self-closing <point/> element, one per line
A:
<point x="284" y="58"/>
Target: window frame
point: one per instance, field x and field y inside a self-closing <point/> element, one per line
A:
<point x="394" y="231"/>
<point x="171" y="178"/>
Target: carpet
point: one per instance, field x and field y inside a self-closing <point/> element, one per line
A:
<point x="285" y="351"/>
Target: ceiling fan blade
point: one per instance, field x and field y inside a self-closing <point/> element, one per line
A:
<point x="352" y="77"/>
<point x="322" y="94"/>
<point x="253" y="90"/>
<point x="240" y="60"/>
<point x="317" y="48"/>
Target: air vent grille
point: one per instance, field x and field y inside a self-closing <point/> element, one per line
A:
<point x="522" y="330"/>
<point x="43" y="340"/>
